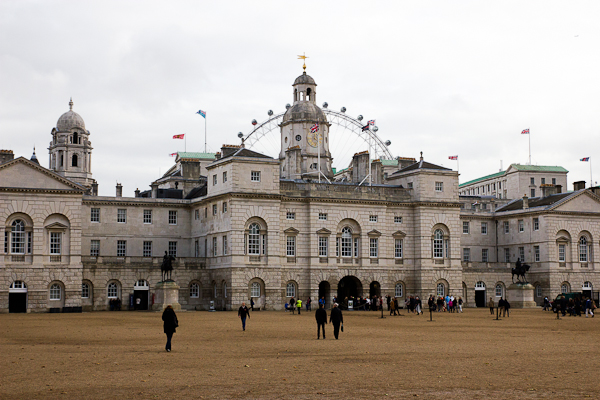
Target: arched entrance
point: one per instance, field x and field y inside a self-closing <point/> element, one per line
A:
<point x="17" y="297"/>
<point x="586" y="289"/>
<point x="375" y="289"/>
<point x="349" y="286"/>
<point x="140" y="291"/>
<point x="480" y="294"/>
<point x="325" y="292"/>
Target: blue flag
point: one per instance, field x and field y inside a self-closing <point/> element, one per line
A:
<point x="203" y="113"/>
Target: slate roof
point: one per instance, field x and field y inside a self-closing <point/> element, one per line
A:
<point x="534" y="202"/>
<point x="241" y="152"/>
<point x="421" y="165"/>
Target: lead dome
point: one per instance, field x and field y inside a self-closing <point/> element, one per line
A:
<point x="70" y="120"/>
<point x="304" y="80"/>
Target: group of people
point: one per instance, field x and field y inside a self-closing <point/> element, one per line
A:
<point x="294" y="305"/>
<point x="503" y="307"/>
<point x="115" y="304"/>
<point x="574" y="306"/>
<point x="445" y="304"/>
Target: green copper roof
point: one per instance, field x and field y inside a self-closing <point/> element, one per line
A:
<point x="393" y="163"/>
<point x="184" y="154"/>
<point x="518" y="167"/>
<point x="483" y="178"/>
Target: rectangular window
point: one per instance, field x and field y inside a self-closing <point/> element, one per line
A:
<point x="224" y="207"/>
<point x="224" y="176"/>
<point x="507" y="255"/>
<point x="398" y="248"/>
<point x="466" y="227"/>
<point x="255" y="176"/>
<point x="337" y="247"/>
<point x="397" y="220"/>
<point x="543" y="181"/>
<point x="214" y="246"/>
<point x="409" y="185"/>
<point x="291" y="246"/>
<point x="290" y="215"/>
<point x="55" y="242"/>
<point x="532" y="181"/>
<point x="121" y="248"/>
<point x="172" y="217"/>
<point x="197" y="248"/>
<point x="173" y="249"/>
<point x="499" y="185"/>
<point x="536" y="224"/>
<point x="484" y="255"/>
<point x="322" y="216"/>
<point x="95" y="248"/>
<point x="214" y="180"/>
<point x="532" y="193"/>
<point x="561" y="253"/>
<point x="536" y="253"/>
<point x="484" y="228"/>
<point x="372" y="218"/>
<point x="95" y="215"/>
<point x="554" y="181"/>
<point x="439" y="186"/>
<point x="121" y="215"/>
<point x="147" y="216"/>
<point x="522" y="254"/>
<point x="224" y="245"/>
<point x="147" y="249"/>
<point x="355" y="247"/>
<point x="466" y="254"/>
<point x="506" y="227"/>
<point x="196" y="214"/>
<point x="521" y="226"/>
<point x="205" y="247"/>
<point x="214" y="207"/>
<point x="498" y="290"/>
<point x="205" y="212"/>
<point x="85" y="291"/>
<point x="323" y="245"/>
<point x="373" y="247"/>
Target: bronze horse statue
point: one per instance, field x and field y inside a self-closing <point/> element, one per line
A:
<point x="167" y="267"/>
<point x="519" y="271"/>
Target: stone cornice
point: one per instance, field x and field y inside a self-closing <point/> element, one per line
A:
<point x="42" y="190"/>
<point x="89" y="200"/>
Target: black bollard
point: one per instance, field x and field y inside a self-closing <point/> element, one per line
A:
<point x="497" y="314"/>
<point x="430" y="315"/>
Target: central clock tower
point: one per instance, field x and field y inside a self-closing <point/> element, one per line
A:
<point x="303" y="148"/>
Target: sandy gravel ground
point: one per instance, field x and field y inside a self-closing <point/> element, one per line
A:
<point x="120" y="355"/>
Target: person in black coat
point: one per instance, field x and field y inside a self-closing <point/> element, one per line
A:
<point x="170" y="323"/>
<point x="243" y="313"/>
<point x="336" y="318"/>
<point x="321" y="317"/>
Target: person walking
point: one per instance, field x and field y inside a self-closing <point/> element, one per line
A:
<point x="506" y="308"/>
<point x="321" y="317"/>
<point x="491" y="306"/>
<point x="170" y="323"/>
<point x="299" y="305"/>
<point x="546" y="303"/>
<point x="392" y="306"/>
<point x="251" y="303"/>
<point x="293" y="305"/>
<point x="308" y="304"/>
<point x="460" y="303"/>
<point x="243" y="313"/>
<point x="588" y="307"/>
<point x="336" y="318"/>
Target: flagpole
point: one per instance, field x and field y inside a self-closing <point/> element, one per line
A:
<point x="319" y="153"/>
<point x="529" y="134"/>
<point x="205" y="134"/>
<point x="457" y="167"/>
<point x="185" y="142"/>
<point x="591" y="180"/>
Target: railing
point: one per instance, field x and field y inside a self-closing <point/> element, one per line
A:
<point x="17" y="258"/>
<point x="55" y="259"/>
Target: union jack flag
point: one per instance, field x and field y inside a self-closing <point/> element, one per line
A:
<point x="203" y="113"/>
<point x="173" y="154"/>
<point x="585" y="159"/>
<point x="178" y="136"/>
<point x="365" y="128"/>
<point x="314" y="128"/>
<point x="453" y="157"/>
<point x="371" y="122"/>
<point x="525" y="131"/>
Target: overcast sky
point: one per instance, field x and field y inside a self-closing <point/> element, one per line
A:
<point x="443" y="77"/>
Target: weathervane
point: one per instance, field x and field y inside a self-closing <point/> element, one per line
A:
<point x="303" y="57"/>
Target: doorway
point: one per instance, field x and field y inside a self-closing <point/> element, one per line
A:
<point x="349" y="286"/>
<point x="480" y="294"/>
<point x="324" y="290"/>
<point x="17" y="297"/>
<point x="140" y="291"/>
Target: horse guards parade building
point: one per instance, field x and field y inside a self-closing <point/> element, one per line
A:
<point x="242" y="225"/>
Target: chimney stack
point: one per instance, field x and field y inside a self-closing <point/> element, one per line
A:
<point x="154" y="187"/>
<point x="579" y="185"/>
<point x="6" y="156"/>
<point x="137" y="192"/>
<point x="119" y="190"/>
<point x="525" y="202"/>
<point x="548" y="189"/>
<point x="95" y="189"/>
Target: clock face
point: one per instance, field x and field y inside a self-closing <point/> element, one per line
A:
<point x="298" y="138"/>
<point x="314" y="138"/>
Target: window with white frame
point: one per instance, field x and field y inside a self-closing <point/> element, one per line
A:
<point x="323" y="246"/>
<point x="85" y="291"/>
<point x="55" y="243"/>
<point x="290" y="215"/>
<point x="148" y="216"/>
<point x="55" y="291"/>
<point x="499" y="291"/>
<point x="224" y="207"/>
<point x="398" y="245"/>
<point x="95" y="215"/>
<point x="441" y="290"/>
<point x="506" y="227"/>
<point x="121" y="248"/>
<point x="536" y="253"/>
<point x="522" y="254"/>
<point x="439" y="186"/>
<point x="17" y="233"/>
<point x="337" y="246"/>
<point x="290" y="290"/>
<point x="255" y="289"/>
<point x="438" y="244"/>
<point x="147" y="248"/>
<point x="466" y="227"/>
<point x="484" y="255"/>
<point x="214" y="180"/>
<point x="346" y="242"/>
<point x="466" y="254"/>
<point x="254" y="239"/>
<point x="562" y="253"/>
<point x="214" y="208"/>
<point x="173" y="249"/>
<point x="214" y="246"/>
<point x="398" y="290"/>
<point x="224" y="176"/>
<point x="194" y="290"/>
<point x="536" y="224"/>
<point x="224" y="245"/>
<point x="291" y="246"/>
<point x="323" y="216"/>
<point x="355" y="247"/>
<point x="538" y="291"/>
<point x="94" y="248"/>
<point x="112" y="291"/>
<point x="506" y="255"/>
<point x="255" y="176"/>
<point x="397" y="219"/>
<point x="484" y="227"/>
<point x="373" y="247"/>
<point x="583" y="249"/>
<point x="197" y="214"/>
<point x="121" y="215"/>
<point x="372" y="218"/>
<point x="564" y="288"/>
<point x="521" y="226"/>
<point x="172" y="217"/>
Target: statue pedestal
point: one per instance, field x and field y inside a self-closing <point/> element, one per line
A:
<point x="520" y="295"/>
<point x="166" y="293"/>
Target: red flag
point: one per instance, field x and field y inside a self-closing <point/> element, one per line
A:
<point x="453" y="157"/>
<point x="525" y="131"/>
<point x="178" y="136"/>
<point x="173" y="154"/>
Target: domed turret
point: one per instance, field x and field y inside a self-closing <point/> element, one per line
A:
<point x="70" y="120"/>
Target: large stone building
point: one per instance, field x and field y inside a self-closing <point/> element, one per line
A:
<point x="244" y="225"/>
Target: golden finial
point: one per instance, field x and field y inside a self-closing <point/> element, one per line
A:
<point x="303" y="57"/>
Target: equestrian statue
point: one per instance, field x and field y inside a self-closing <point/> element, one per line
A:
<point x="520" y="270"/>
<point x="167" y="267"/>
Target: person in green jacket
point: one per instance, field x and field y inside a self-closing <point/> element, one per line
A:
<point x="299" y="305"/>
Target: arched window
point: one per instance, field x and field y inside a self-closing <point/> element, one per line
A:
<point x="194" y="290"/>
<point x="438" y="244"/>
<point x="587" y="286"/>
<point x="75" y="140"/>
<point x="17" y="241"/>
<point x="441" y="289"/>
<point x="140" y="284"/>
<point x="499" y="290"/>
<point x="225" y="289"/>
<point x="254" y="239"/>
<point x="564" y="288"/>
<point x="255" y="289"/>
<point x="346" y="242"/>
<point x="583" y="249"/>
<point x="399" y="290"/>
<point x="85" y="291"/>
<point x="538" y="291"/>
<point x="112" y="291"/>
<point x="55" y="291"/>
<point x="74" y="160"/>
<point x="290" y="290"/>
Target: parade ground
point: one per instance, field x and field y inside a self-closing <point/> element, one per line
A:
<point x="120" y="355"/>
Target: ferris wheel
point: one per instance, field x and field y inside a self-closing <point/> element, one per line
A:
<point x="265" y="137"/>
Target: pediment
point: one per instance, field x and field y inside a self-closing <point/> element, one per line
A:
<point x="24" y="174"/>
<point x="291" y="231"/>
<point x="323" y="231"/>
<point x="56" y="225"/>
<point x="399" y="234"/>
<point x="582" y="202"/>
<point x="374" y="232"/>
<point x="563" y="239"/>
